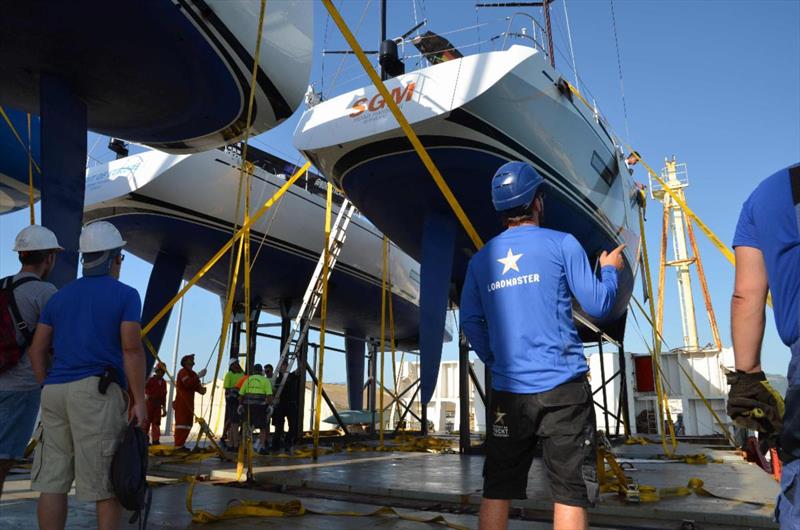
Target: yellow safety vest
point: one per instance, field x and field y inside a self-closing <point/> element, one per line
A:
<point x="256" y="385"/>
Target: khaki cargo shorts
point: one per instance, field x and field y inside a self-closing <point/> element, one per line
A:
<point x="80" y="431"/>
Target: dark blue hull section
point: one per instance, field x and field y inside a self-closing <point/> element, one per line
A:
<point x="14" y="155"/>
<point x="144" y="70"/>
<point x="396" y="193"/>
<point x="281" y="271"/>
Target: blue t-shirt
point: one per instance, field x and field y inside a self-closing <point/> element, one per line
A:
<point x="516" y="307"/>
<point x="770" y="222"/>
<point x="86" y="316"/>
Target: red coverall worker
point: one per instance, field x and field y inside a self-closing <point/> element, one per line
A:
<point x="155" y="395"/>
<point x="186" y="384"/>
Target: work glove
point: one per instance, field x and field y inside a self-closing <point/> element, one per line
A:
<point x="202" y="373"/>
<point x="753" y="403"/>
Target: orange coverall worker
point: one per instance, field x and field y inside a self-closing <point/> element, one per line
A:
<point x="187" y="383"/>
<point x="155" y="395"/>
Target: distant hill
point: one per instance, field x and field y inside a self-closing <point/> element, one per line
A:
<point x="778" y="382"/>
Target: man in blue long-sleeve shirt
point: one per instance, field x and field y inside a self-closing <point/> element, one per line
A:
<point x="516" y="312"/>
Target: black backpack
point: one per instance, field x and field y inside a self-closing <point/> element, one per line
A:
<point x="10" y="322"/>
<point x="129" y="474"/>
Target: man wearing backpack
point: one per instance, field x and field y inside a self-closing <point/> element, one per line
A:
<point x="93" y="325"/>
<point x="23" y="298"/>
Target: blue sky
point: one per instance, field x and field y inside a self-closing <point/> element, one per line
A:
<point x="715" y="83"/>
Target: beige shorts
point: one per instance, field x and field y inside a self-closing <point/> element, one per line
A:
<point x="80" y="431"/>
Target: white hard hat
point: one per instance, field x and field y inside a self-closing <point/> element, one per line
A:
<point x="100" y="236"/>
<point x="36" y="237"/>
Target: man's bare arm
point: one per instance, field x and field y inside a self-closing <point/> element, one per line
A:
<point x="747" y="308"/>
<point x="39" y="349"/>
<point x="134" y="364"/>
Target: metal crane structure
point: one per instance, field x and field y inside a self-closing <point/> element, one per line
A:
<point x="702" y="363"/>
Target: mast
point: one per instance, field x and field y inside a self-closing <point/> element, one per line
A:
<point x="383" y="37"/>
<point x="546" y="9"/>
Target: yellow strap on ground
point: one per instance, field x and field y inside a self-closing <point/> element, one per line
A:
<point x="641" y="440"/>
<point x="221" y="252"/>
<point x="238" y="509"/>
<point x="173" y="453"/>
<point x="19" y="138"/>
<point x="401" y="120"/>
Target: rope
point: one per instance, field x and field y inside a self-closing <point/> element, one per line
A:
<point x="619" y="69"/>
<point x="569" y="39"/>
<point x="358" y="27"/>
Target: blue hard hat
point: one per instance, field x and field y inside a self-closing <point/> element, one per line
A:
<point x="514" y="185"/>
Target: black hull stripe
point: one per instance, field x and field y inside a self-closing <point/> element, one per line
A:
<point x="395" y="145"/>
<point x="280" y="107"/>
<point x="214" y="223"/>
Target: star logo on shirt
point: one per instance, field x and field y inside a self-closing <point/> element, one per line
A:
<point x="510" y="261"/>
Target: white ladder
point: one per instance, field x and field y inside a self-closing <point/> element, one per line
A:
<point x="311" y="301"/>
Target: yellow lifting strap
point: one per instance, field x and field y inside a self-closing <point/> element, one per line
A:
<point x="662" y="403"/>
<point x="401" y="120"/>
<point x="238" y="509"/>
<point x="221" y="252"/>
<point x="323" y="317"/>
<point x="19" y="139"/>
<point x="722" y="247"/>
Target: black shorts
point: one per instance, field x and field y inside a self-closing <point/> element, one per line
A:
<point x="257" y="416"/>
<point x="231" y="406"/>
<point x="563" y="419"/>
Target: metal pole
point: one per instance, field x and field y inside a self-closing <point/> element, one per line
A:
<point x="302" y="364"/>
<point x="313" y="383"/>
<point x="623" y="395"/>
<point x="168" y="426"/>
<point x="603" y="382"/>
<point x="371" y="395"/>
<point x="463" y="395"/>
<point x="383" y="35"/>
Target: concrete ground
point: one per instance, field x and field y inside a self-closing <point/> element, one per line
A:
<point x="18" y="511"/>
<point x="427" y="484"/>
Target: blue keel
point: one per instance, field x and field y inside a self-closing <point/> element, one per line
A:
<point x="63" y="133"/>
<point x="165" y="282"/>
<point x="355" y="349"/>
<point x="436" y="270"/>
